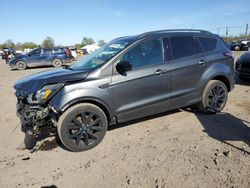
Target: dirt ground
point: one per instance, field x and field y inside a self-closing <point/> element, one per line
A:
<point x="175" y="149"/>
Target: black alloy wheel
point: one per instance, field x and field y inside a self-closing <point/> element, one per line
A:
<point x="82" y="127"/>
<point x="214" y="97"/>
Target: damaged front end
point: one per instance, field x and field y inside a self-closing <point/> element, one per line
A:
<point x="36" y="114"/>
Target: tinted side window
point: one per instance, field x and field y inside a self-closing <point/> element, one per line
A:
<point x="145" y="54"/>
<point x="56" y="50"/>
<point x="208" y="44"/>
<point x="35" y="52"/>
<point x="47" y="51"/>
<point x="184" y="46"/>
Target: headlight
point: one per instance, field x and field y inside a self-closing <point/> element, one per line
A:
<point x="45" y="93"/>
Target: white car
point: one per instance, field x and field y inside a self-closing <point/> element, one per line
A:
<point x="90" y="48"/>
<point x="73" y="52"/>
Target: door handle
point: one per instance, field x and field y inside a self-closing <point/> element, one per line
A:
<point x="202" y="62"/>
<point x="159" y="72"/>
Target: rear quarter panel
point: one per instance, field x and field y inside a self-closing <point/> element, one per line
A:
<point x="218" y="65"/>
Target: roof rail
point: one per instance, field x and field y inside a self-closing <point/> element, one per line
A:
<point x="173" y="30"/>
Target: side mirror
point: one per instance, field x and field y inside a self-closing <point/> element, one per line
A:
<point x="123" y="66"/>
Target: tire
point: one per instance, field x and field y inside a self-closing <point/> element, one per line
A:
<point x="214" y="97"/>
<point x="29" y="140"/>
<point x="82" y="127"/>
<point x="57" y="63"/>
<point x="237" y="48"/>
<point x="21" y="65"/>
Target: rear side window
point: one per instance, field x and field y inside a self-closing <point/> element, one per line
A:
<point x="184" y="46"/>
<point x="208" y="44"/>
<point x="57" y="50"/>
<point x="47" y="51"/>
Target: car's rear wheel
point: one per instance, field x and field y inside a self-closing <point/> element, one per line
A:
<point x="57" y="62"/>
<point x="82" y="127"/>
<point x="21" y="65"/>
<point x="214" y="97"/>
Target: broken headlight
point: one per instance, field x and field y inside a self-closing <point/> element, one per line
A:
<point x="44" y="94"/>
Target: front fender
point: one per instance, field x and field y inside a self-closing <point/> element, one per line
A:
<point x="80" y="92"/>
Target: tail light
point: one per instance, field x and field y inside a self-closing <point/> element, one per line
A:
<point x="229" y="54"/>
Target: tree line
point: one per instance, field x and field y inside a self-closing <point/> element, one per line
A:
<point x="48" y="42"/>
<point x="231" y="38"/>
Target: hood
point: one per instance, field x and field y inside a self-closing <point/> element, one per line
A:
<point x="33" y="83"/>
<point x="12" y="60"/>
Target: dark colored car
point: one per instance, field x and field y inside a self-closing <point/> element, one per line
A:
<point x="8" y="53"/>
<point x="242" y="66"/>
<point x="128" y="78"/>
<point x="40" y="57"/>
<point x="85" y="52"/>
<point x="237" y="46"/>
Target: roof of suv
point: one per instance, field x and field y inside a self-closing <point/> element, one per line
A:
<point x="170" y="32"/>
<point x="174" y="31"/>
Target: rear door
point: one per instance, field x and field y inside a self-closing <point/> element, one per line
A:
<point x="145" y="89"/>
<point x="186" y="70"/>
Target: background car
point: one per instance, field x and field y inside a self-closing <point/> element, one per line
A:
<point x="40" y="57"/>
<point x="237" y="46"/>
<point x="90" y="48"/>
<point x="8" y="53"/>
<point x="73" y="52"/>
<point x="242" y="66"/>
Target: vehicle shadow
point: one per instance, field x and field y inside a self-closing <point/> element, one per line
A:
<point x="120" y="125"/>
<point x="225" y="127"/>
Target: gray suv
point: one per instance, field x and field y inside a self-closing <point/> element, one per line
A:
<point x="130" y="77"/>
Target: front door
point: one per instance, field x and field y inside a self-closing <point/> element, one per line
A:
<point x="34" y="58"/>
<point x="145" y="89"/>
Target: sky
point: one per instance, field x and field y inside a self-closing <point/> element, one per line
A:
<point x="67" y="22"/>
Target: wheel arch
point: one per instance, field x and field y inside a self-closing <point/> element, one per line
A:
<point x="55" y="57"/>
<point x="223" y="79"/>
<point x="221" y="72"/>
<point x="104" y="107"/>
<point x="20" y="60"/>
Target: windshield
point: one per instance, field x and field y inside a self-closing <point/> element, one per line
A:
<point x="101" y="55"/>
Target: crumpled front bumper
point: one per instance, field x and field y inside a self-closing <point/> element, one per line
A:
<point x="32" y="116"/>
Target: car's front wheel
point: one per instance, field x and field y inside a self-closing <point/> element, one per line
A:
<point x="21" y="65"/>
<point x="82" y="127"/>
<point x="214" y="97"/>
